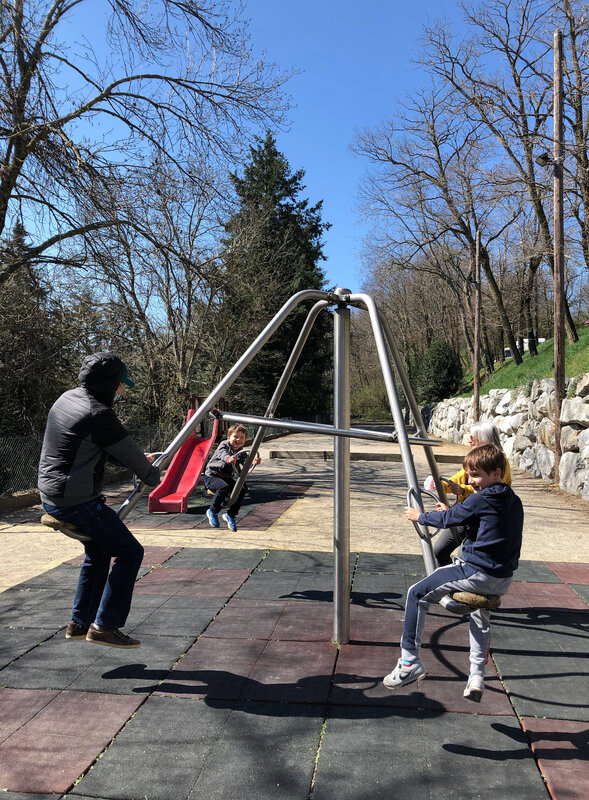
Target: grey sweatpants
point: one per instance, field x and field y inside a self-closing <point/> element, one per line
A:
<point x="454" y="577"/>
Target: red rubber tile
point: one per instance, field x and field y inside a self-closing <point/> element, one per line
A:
<point x="542" y="595"/>
<point x="19" y="706"/>
<point x="360" y="670"/>
<point x="60" y="742"/>
<point x="247" y="619"/>
<point x="153" y="557"/>
<point x="562" y="750"/>
<point x="305" y="622"/>
<point x="215" y="583"/>
<point x="570" y="572"/>
<point x="379" y="625"/>
<point x="166" y="580"/>
<point x="287" y="672"/>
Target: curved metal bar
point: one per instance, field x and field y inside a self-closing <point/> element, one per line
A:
<point x="218" y="391"/>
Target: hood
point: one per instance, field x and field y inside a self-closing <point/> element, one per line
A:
<point x="499" y="495"/>
<point x="100" y="374"/>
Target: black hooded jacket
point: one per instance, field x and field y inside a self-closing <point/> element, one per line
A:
<point x="82" y="431"/>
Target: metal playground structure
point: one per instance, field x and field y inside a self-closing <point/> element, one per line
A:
<point x="342" y="300"/>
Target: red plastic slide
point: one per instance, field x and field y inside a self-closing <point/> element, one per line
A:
<point x="182" y="475"/>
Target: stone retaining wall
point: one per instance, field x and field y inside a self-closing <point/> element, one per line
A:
<point x="524" y="419"/>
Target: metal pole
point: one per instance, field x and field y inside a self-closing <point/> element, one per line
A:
<point x="559" y="359"/>
<point x="219" y="390"/>
<point x="316" y="427"/>
<point x="476" y="368"/>
<point x="341" y="494"/>
<point x="277" y="396"/>
<point x="406" y="455"/>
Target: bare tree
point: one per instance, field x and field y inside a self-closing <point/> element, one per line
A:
<point x="176" y="76"/>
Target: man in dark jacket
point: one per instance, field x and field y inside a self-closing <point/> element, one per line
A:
<point x="82" y="432"/>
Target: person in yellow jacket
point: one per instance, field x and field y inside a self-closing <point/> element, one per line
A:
<point x="448" y="540"/>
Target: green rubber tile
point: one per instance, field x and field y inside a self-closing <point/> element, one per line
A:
<point x="570" y="572"/>
<point x="216" y="558"/>
<point x="247" y="619"/>
<point x="541" y="632"/>
<point x="424" y="754"/>
<point x="48" y="753"/>
<point x="17" y="604"/>
<point x="562" y="751"/>
<point x="159" y="754"/>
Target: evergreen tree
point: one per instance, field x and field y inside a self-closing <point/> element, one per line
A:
<point x="273" y="250"/>
<point x="440" y="372"/>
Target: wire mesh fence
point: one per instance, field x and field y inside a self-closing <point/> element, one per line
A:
<point x="19" y="460"/>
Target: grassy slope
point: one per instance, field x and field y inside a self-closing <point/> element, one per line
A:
<point x="510" y="376"/>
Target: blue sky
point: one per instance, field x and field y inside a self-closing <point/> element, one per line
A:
<point x="356" y="60"/>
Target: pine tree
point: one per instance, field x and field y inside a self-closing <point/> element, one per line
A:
<point x="273" y="250"/>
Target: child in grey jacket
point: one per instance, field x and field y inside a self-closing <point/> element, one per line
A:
<point x="221" y="475"/>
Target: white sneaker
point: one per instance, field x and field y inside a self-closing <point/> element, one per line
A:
<point x="474" y="688"/>
<point x="403" y="674"/>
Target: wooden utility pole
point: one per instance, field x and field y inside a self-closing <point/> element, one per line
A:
<point x="559" y="359"/>
<point x="476" y="369"/>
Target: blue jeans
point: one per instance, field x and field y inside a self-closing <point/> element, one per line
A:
<point x="222" y="487"/>
<point x="103" y="595"/>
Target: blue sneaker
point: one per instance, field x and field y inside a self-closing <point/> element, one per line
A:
<point x="231" y="523"/>
<point x="213" y="518"/>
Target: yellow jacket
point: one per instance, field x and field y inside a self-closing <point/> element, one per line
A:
<point x="461" y="478"/>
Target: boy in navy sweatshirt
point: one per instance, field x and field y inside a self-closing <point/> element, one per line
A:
<point x="494" y="518"/>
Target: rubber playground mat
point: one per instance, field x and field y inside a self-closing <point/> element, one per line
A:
<point x="237" y="689"/>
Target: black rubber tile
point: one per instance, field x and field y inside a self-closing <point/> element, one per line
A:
<point x="292" y="561"/>
<point x="216" y="558"/>
<point x="391" y="563"/>
<point x="76" y="664"/>
<point x="424" y="754"/>
<point x="540" y="632"/>
<point x="380" y="590"/>
<point x="266" y="752"/>
<point x="180" y="616"/>
<point x="16" y="603"/>
<point x="159" y="754"/>
<point x="62" y="577"/>
<point x="269" y="586"/>
<point x="15" y="643"/>
<point x="582" y="591"/>
<point x="247" y="619"/>
<point x="550" y="684"/>
<point x="535" y="572"/>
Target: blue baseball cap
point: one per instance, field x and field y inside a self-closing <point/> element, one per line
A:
<point x="125" y="377"/>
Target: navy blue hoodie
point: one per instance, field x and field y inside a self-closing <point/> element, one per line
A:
<point x="494" y="518"/>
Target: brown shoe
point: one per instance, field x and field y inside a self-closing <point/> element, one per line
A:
<point x="111" y="637"/>
<point x="74" y="631"/>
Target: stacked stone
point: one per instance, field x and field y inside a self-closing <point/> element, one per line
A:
<point x="524" y="419"/>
